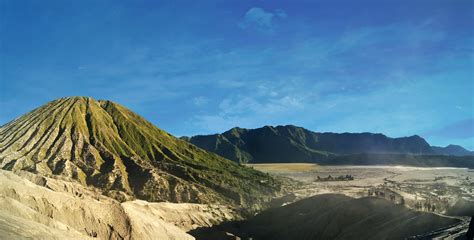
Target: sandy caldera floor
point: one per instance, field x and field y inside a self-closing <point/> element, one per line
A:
<point x="37" y="207"/>
<point x="447" y="191"/>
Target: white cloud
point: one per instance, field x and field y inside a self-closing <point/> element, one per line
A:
<point x="261" y="20"/>
<point x="245" y="104"/>
<point x="200" y="101"/>
<point x="230" y="83"/>
<point x="246" y="111"/>
<point x="281" y="13"/>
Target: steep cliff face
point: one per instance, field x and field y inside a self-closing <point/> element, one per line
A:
<point x="296" y="144"/>
<point x="105" y="145"/>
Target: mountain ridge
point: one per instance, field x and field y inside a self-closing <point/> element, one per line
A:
<point x="452" y="149"/>
<point x="290" y="143"/>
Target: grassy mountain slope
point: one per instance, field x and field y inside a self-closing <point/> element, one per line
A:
<point x="105" y="145"/>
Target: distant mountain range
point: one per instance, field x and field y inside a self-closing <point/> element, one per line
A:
<point x="453" y="150"/>
<point x="104" y="145"/>
<point x="296" y="144"/>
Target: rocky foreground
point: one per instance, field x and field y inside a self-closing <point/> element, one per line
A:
<point x="43" y="208"/>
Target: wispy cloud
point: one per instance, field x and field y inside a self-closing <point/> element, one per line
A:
<point x="246" y="111"/>
<point x="200" y="101"/>
<point x="344" y="84"/>
<point x="261" y="20"/>
<point x="191" y="72"/>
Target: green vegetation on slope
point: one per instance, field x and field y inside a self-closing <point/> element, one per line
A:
<point x="103" y="144"/>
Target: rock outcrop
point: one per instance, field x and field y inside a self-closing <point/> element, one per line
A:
<point x="38" y="207"/>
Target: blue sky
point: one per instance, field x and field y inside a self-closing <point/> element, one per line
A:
<point x="395" y="67"/>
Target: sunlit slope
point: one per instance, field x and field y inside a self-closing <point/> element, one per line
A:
<point x="103" y="144"/>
